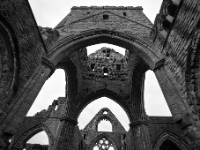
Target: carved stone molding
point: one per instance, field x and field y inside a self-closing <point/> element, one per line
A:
<point x="49" y="64"/>
<point x="67" y="119"/>
<point x="139" y="122"/>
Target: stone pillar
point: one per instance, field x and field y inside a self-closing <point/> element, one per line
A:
<point x="139" y="125"/>
<point x="66" y="134"/>
<point x="141" y="136"/>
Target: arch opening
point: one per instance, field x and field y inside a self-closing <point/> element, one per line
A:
<point x="166" y="25"/>
<point x="48" y="93"/>
<point x="91" y="49"/>
<point x="167" y="144"/>
<point x="105" y="126"/>
<point x="96" y="105"/>
<point x="38" y="141"/>
<point x="172" y="9"/>
<point x="91" y="37"/>
<point x="105" y="61"/>
<point x="154" y="100"/>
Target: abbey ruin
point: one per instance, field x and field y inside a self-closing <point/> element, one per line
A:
<point x="30" y="54"/>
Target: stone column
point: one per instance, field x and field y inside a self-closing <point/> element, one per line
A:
<point x="141" y="135"/>
<point x="66" y="134"/>
<point x="139" y="125"/>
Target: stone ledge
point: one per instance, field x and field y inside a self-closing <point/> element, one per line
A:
<point x="106" y="8"/>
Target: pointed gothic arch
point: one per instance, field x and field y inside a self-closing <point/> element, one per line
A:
<point x="105" y="113"/>
<point x="102" y="93"/>
<point x="170" y="138"/>
<point x="141" y="47"/>
<point x="8" y="63"/>
<point x="20" y="142"/>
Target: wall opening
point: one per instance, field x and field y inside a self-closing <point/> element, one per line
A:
<point x="53" y="88"/>
<point x="105" y="112"/>
<point x="124" y="13"/>
<point x="166" y="145"/>
<point x="105" y="16"/>
<point x="106" y="61"/>
<point x="104" y="126"/>
<point x="91" y="49"/>
<point x="166" y="25"/>
<point x="155" y="103"/>
<point x="172" y="9"/>
<point x="39" y="140"/>
<point x="103" y="144"/>
<point x="93" y="108"/>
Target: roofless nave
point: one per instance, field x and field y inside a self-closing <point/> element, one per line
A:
<point x="169" y="47"/>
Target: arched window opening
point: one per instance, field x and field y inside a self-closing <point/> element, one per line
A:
<point x="91" y="49"/>
<point x="166" y="25"/>
<point x="53" y="88"/>
<point x="105" y="126"/>
<point x="172" y="9"/>
<point x="155" y="103"/>
<point x="105" y="112"/>
<point x="38" y="141"/>
<point x="93" y="108"/>
<point x="166" y="145"/>
<point x="103" y="144"/>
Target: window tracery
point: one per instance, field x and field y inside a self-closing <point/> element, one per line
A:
<point x="103" y="144"/>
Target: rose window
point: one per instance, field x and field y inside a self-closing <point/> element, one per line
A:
<point x="103" y="144"/>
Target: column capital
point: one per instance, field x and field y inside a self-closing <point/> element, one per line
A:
<point x="49" y="64"/>
<point x="67" y="119"/>
<point x="138" y="122"/>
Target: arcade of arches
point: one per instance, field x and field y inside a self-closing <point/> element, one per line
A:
<point x="29" y="55"/>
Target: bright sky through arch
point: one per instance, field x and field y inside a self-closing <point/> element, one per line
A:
<point x="48" y="13"/>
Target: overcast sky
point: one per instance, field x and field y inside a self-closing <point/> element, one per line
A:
<point x="48" y="13"/>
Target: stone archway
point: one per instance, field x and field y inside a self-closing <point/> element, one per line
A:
<point x="170" y="139"/>
<point x="102" y="93"/>
<point x="8" y="65"/>
<point x="21" y="141"/>
<point x="144" y="49"/>
<point x="147" y="56"/>
<point x="65" y="46"/>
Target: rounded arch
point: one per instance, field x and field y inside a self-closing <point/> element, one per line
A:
<point x="103" y="93"/>
<point x="21" y="141"/>
<point x="101" y="136"/>
<point x="146" y="50"/>
<point x="8" y="62"/>
<point x="169" y="136"/>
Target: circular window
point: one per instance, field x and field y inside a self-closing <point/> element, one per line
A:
<point x="103" y="144"/>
